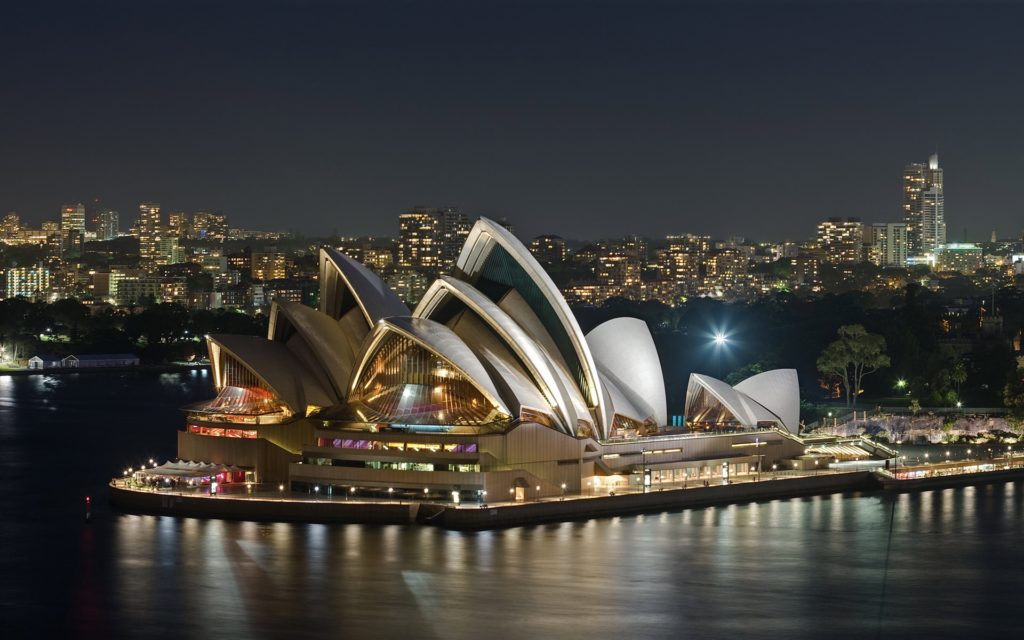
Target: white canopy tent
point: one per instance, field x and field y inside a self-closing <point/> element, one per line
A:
<point x="188" y="469"/>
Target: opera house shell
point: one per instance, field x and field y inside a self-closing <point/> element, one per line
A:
<point x="771" y="398"/>
<point x="487" y="385"/>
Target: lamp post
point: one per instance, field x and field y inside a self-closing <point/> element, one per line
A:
<point x="757" y="448"/>
<point x="563" y="491"/>
<point x="643" y="470"/>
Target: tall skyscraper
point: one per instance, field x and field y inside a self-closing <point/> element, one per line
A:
<point x="72" y="227"/>
<point x="11" y="225"/>
<point x="454" y="231"/>
<point x="933" y="220"/>
<point x="918" y="179"/>
<point x="841" y="240"/>
<point x="72" y="217"/>
<point x="889" y="244"/>
<point x="430" y="239"/>
<point x="148" y="227"/>
<point x="107" y="224"/>
<point x="419" y="234"/>
<point x="178" y="224"/>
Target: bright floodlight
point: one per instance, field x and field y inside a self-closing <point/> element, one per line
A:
<point x="720" y="339"/>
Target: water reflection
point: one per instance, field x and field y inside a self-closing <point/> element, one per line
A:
<point x="785" y="568"/>
<point x="800" y="568"/>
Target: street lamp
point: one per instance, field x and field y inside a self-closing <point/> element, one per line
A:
<point x="643" y="469"/>
<point x="538" y="493"/>
<point x="563" y="491"/>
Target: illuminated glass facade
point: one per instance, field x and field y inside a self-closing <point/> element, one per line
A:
<point x="403" y="382"/>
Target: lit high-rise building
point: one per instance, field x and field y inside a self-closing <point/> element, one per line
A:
<point x="178" y="224"/>
<point x="689" y="243"/>
<point x="148" y="227"/>
<point x="919" y="178"/>
<point x="72" y="227"/>
<point x="962" y="257"/>
<point x="72" y="217"/>
<point x="169" y="251"/>
<point x="682" y="260"/>
<point x="619" y="274"/>
<point x="841" y="239"/>
<point x="549" y="249"/>
<point x="211" y="226"/>
<point x="933" y="220"/>
<point x="28" y="282"/>
<point x="889" y="244"/>
<point x="11" y="226"/>
<point x="420" y="239"/>
<point x="431" y="239"/>
<point x="454" y="231"/>
<point x="269" y="266"/>
<point x="108" y="224"/>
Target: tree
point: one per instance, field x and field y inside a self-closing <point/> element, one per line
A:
<point x="1013" y="392"/>
<point x="854" y="355"/>
<point x="958" y="376"/>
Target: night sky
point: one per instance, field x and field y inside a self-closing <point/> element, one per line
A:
<point x="585" y="119"/>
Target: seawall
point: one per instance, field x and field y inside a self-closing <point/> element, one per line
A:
<point x="629" y="504"/>
<point x="469" y="517"/>
<point x="954" y="480"/>
<point x="269" y="510"/>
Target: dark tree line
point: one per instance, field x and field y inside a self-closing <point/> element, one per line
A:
<point x="158" y="333"/>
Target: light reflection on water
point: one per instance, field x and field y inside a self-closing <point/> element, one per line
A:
<point x="701" y="573"/>
<point x="799" y="568"/>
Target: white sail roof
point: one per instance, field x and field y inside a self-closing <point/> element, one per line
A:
<point x="341" y="276"/>
<point x="625" y="354"/>
<point x="493" y="254"/>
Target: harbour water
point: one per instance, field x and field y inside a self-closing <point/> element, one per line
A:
<point x="946" y="564"/>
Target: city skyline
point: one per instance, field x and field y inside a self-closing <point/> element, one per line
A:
<point x="725" y="119"/>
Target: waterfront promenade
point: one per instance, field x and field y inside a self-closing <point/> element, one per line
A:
<point x="268" y="504"/>
<point x="274" y="503"/>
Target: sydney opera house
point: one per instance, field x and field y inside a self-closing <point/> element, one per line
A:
<point x="488" y="385"/>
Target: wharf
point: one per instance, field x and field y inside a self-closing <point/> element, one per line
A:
<point x="290" y="508"/>
<point x="944" y="476"/>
